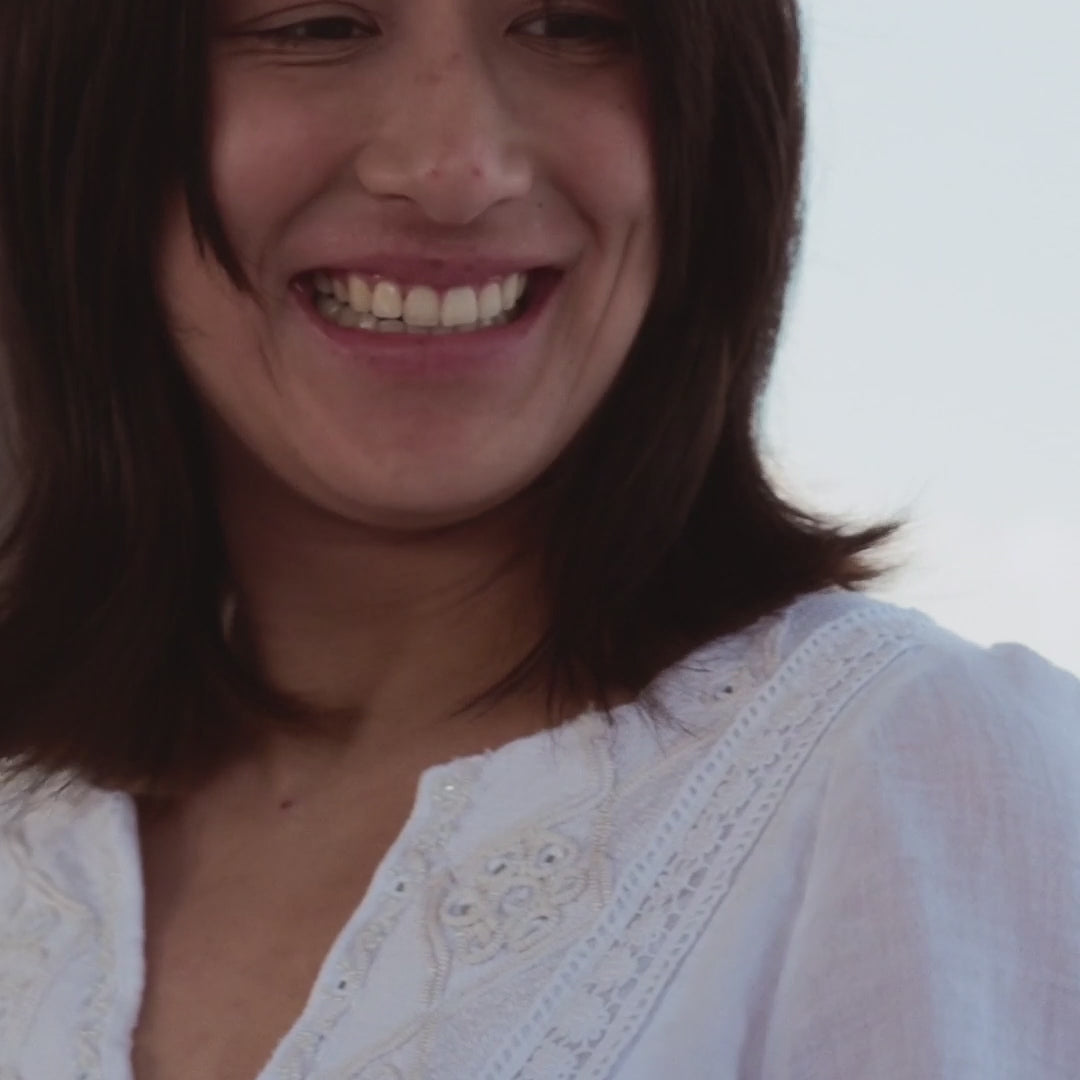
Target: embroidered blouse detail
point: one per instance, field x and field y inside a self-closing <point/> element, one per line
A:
<point x="513" y="897"/>
<point x="607" y="986"/>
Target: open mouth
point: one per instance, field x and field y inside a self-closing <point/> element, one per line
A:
<point x="383" y="306"/>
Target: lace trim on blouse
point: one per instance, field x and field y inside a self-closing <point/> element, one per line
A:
<point x="608" y="985"/>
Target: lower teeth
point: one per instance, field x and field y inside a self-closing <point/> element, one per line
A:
<point x="345" y="316"/>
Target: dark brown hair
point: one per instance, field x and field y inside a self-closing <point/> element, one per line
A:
<point x="666" y="531"/>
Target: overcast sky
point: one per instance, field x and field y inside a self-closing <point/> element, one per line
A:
<point x="931" y="364"/>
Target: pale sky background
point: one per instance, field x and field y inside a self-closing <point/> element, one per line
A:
<point x="931" y="362"/>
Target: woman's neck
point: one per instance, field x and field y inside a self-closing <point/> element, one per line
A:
<point x="396" y="630"/>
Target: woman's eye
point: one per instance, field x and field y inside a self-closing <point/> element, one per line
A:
<point x="329" y="29"/>
<point x="576" y="28"/>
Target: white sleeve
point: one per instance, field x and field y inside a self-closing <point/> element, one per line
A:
<point x="939" y="932"/>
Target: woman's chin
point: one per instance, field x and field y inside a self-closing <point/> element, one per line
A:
<point x="427" y="507"/>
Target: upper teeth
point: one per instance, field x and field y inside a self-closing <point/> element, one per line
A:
<point x="360" y="301"/>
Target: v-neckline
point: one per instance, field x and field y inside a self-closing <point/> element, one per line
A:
<point x="443" y="797"/>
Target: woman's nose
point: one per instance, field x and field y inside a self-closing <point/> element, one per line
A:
<point x="445" y="140"/>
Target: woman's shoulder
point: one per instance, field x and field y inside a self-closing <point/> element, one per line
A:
<point x="928" y="832"/>
<point x="915" y="746"/>
<point x="846" y="625"/>
<point x="880" y="683"/>
<point x="941" y="867"/>
<point x="935" y="698"/>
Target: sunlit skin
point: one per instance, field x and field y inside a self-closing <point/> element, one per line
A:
<point x="372" y="492"/>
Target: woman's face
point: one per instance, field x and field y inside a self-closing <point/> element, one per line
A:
<point x="392" y="174"/>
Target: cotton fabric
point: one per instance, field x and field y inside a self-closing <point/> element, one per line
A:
<point x="841" y="844"/>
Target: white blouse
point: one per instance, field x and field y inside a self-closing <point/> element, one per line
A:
<point x="843" y="844"/>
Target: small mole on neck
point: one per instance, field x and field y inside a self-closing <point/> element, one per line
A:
<point x="287" y="804"/>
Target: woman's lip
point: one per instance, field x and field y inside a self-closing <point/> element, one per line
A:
<point x="405" y="354"/>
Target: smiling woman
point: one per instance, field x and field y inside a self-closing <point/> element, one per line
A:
<point x="411" y="167"/>
<point x="407" y="667"/>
